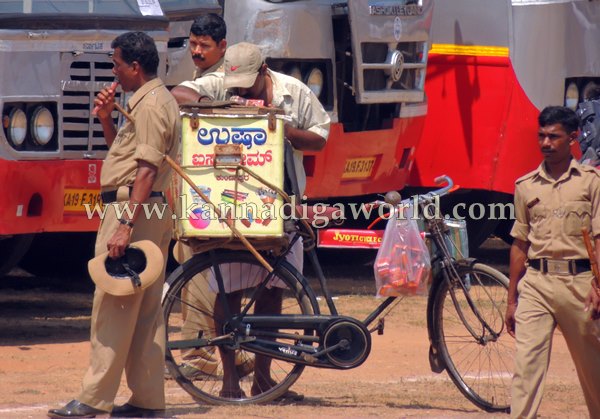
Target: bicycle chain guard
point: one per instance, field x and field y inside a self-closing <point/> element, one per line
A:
<point x="346" y="343"/>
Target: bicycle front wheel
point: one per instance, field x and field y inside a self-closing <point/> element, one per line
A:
<point x="189" y="309"/>
<point x="471" y="337"/>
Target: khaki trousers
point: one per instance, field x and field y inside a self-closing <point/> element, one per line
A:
<point x="547" y="301"/>
<point x="128" y="333"/>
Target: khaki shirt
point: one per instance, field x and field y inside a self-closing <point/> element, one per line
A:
<point x="290" y="95"/>
<point x="550" y="213"/>
<point x="198" y="72"/>
<point x="155" y="133"/>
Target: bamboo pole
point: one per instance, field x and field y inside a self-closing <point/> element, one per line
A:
<point x="229" y="223"/>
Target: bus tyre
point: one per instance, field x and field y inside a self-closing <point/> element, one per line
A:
<point x="59" y="254"/>
<point x="12" y="250"/>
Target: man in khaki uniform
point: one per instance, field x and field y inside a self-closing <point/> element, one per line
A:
<point x="127" y="332"/>
<point x="247" y="75"/>
<point x="550" y="277"/>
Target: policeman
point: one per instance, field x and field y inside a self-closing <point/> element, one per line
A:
<point x="127" y="332"/>
<point x="550" y="278"/>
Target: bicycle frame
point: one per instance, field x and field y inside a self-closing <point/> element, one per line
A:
<point x="252" y="332"/>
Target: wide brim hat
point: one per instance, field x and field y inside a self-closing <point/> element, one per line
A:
<point x="114" y="276"/>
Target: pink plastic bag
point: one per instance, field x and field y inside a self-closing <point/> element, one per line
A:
<point x="402" y="265"/>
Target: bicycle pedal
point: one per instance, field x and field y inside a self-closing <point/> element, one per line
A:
<point x="380" y="326"/>
<point x="309" y="358"/>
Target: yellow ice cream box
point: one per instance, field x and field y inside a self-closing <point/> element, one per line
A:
<point x="256" y="137"/>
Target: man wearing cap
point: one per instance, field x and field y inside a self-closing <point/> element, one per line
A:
<point x="127" y="331"/>
<point x="207" y="48"/>
<point x="247" y="75"/>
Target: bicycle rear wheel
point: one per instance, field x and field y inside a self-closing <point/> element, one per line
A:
<point x="188" y="307"/>
<point x="479" y="360"/>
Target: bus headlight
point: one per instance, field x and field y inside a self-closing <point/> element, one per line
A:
<point x="42" y="125"/>
<point x="17" y="127"/>
<point x="295" y="72"/>
<point x="591" y="91"/>
<point x="572" y="96"/>
<point x="315" y="81"/>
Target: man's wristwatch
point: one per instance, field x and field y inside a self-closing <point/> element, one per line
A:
<point x="128" y="223"/>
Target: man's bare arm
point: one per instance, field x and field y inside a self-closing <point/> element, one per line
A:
<point x="304" y="140"/>
<point x="142" y="186"/>
<point x="518" y="256"/>
<point x="184" y="94"/>
<point x="592" y="301"/>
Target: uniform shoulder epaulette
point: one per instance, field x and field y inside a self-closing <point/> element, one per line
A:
<point x="589" y="169"/>
<point x="527" y="176"/>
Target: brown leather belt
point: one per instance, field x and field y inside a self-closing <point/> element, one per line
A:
<point x="109" y="197"/>
<point x="565" y="267"/>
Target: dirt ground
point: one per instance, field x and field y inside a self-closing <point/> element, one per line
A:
<point x="44" y="351"/>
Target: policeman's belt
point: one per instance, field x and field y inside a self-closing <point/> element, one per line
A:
<point x="111" y="196"/>
<point x="562" y="267"/>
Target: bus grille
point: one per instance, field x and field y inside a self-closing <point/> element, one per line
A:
<point x="392" y="69"/>
<point x="88" y="73"/>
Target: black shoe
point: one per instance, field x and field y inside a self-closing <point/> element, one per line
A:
<point x="130" y="411"/>
<point x="75" y="409"/>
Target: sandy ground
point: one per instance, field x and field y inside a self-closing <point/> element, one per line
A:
<point x="44" y="351"/>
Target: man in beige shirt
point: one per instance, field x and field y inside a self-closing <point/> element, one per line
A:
<point x="247" y="75"/>
<point x="128" y="332"/>
<point x="207" y="48"/>
<point x="208" y="44"/>
<point x="550" y="277"/>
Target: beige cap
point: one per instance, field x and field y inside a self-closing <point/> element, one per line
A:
<point x="142" y="257"/>
<point x="242" y="62"/>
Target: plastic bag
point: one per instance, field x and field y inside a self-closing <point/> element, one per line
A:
<point x="402" y="265"/>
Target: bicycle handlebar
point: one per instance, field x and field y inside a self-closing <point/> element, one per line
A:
<point x="438" y="192"/>
<point x="393" y="197"/>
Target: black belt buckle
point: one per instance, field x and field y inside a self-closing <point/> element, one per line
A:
<point x="560" y="267"/>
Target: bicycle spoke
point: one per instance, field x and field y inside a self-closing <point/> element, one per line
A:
<point x="191" y="316"/>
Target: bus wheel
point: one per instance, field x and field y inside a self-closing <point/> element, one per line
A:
<point x="12" y="249"/>
<point x="479" y="231"/>
<point x="60" y="254"/>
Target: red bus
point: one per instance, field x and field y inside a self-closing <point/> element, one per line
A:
<point x="54" y="58"/>
<point x="493" y="65"/>
<point x="366" y="61"/>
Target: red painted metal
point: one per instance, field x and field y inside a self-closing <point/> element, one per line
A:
<point x="349" y="238"/>
<point x="480" y="127"/>
<point x="325" y="168"/>
<point x="33" y="195"/>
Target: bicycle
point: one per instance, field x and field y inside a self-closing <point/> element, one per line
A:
<point x="465" y="322"/>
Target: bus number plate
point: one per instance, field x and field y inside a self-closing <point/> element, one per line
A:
<point x="359" y="168"/>
<point x="75" y="199"/>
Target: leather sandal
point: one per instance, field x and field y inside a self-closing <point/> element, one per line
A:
<point x="232" y="394"/>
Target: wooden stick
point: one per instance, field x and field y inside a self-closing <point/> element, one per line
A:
<point x="124" y="112"/>
<point x="591" y="254"/>
<point x="229" y="223"/>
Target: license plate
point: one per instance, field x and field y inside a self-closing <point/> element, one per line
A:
<point x="76" y="199"/>
<point x="360" y="168"/>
